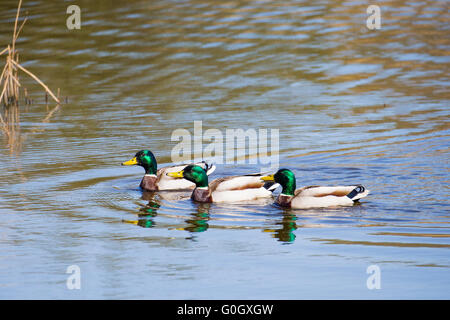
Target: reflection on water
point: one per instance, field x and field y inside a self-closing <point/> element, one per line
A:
<point x="286" y="229"/>
<point x="146" y="212"/>
<point x="199" y="221"/>
<point x="352" y="106"/>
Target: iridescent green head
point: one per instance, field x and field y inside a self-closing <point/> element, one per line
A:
<point x="193" y="173"/>
<point x="145" y="159"/>
<point x="285" y="178"/>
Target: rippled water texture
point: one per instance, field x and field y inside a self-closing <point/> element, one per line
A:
<point x="352" y="105"/>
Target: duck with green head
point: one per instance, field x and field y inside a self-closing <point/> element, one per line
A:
<point x="227" y="189"/>
<point x="313" y="196"/>
<point x="157" y="179"/>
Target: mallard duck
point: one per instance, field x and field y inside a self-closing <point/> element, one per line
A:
<point x="313" y="196"/>
<point x="157" y="179"/>
<point x="227" y="189"/>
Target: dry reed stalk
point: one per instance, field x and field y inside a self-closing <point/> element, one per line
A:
<point x="10" y="83"/>
<point x="37" y="80"/>
<point x="10" y="78"/>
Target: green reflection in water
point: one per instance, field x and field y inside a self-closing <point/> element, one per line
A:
<point x="199" y="220"/>
<point x="147" y="212"/>
<point x="288" y="225"/>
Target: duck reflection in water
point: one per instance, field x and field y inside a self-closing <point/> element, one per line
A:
<point x="146" y="212"/>
<point x="198" y="221"/>
<point x="288" y="225"/>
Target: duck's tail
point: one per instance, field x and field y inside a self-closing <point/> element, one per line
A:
<point x="271" y="185"/>
<point x="358" y="193"/>
<point x="209" y="167"/>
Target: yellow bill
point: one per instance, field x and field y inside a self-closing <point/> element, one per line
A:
<point x="130" y="162"/>
<point x="178" y="174"/>
<point x="268" y="178"/>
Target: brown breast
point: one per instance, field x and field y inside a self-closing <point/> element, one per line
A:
<point x="284" y="200"/>
<point x="201" y="195"/>
<point x="149" y="183"/>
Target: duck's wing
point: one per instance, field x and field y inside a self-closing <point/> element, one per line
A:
<point x="238" y="188"/>
<point x="236" y="183"/>
<point x="161" y="173"/>
<point x="337" y="191"/>
<point x="300" y="190"/>
<point x="209" y="168"/>
<point x="166" y="182"/>
<point x="319" y="196"/>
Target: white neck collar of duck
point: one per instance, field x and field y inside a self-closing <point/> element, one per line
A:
<point x="286" y="195"/>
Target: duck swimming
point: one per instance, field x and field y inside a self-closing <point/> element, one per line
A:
<point x="313" y="196"/>
<point x="157" y="179"/>
<point x="227" y="189"/>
